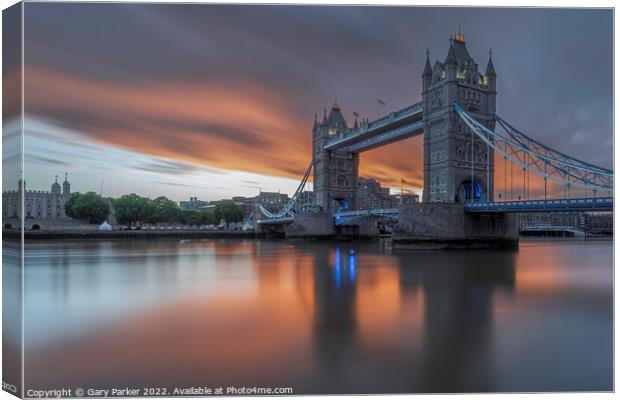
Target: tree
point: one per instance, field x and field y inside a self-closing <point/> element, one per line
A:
<point x="69" y="205"/>
<point x="208" y="217"/>
<point x="132" y="209"/>
<point x="228" y="211"/>
<point x="88" y="206"/>
<point x="192" y="218"/>
<point x="196" y="218"/>
<point x="165" y="210"/>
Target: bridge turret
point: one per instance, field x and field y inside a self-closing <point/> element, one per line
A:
<point x="450" y="64"/>
<point x="450" y="57"/>
<point x="335" y="172"/>
<point x="448" y="151"/>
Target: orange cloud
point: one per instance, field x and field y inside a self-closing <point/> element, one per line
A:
<point x="242" y="126"/>
<point x="11" y="89"/>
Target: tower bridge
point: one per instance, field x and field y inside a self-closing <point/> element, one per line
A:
<point x="457" y="118"/>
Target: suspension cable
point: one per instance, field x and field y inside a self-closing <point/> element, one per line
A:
<point x="286" y="210"/>
<point x="511" y="150"/>
<point x="518" y="146"/>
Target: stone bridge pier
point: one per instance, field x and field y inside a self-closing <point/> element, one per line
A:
<point x="439" y="226"/>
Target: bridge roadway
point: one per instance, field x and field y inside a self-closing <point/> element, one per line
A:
<point x="342" y="218"/>
<point x="395" y="126"/>
<point x="548" y="229"/>
<point x="556" y="205"/>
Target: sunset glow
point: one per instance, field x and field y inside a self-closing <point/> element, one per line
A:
<point x="240" y="97"/>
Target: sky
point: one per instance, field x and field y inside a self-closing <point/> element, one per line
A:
<point x="214" y="101"/>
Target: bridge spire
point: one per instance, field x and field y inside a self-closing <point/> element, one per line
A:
<point x="428" y="71"/>
<point x="490" y="67"/>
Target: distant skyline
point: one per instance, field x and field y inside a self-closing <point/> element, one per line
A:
<point x="214" y="101"/>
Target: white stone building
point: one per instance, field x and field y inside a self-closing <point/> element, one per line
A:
<point x="39" y="205"/>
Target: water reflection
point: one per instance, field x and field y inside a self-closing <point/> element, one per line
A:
<point x="11" y="314"/>
<point x="458" y="319"/>
<point x="426" y="322"/>
<point x="318" y="317"/>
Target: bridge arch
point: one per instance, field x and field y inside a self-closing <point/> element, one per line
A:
<point x="470" y="191"/>
<point x="341" y="204"/>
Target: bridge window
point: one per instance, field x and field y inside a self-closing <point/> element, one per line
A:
<point x="437" y="130"/>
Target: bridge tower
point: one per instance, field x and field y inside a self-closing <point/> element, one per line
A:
<point x="448" y="166"/>
<point x="335" y="172"/>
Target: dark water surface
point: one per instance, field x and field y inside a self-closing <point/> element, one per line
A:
<point x="318" y="317"/>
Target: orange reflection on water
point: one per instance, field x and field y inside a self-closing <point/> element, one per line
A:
<point x="214" y="334"/>
<point x="383" y="310"/>
<point x="545" y="270"/>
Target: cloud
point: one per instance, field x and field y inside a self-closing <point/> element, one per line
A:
<point x="175" y="184"/>
<point x="252" y="130"/>
<point x="171" y="167"/>
<point x="236" y="87"/>
<point x="47" y="160"/>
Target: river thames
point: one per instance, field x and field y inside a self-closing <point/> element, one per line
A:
<point x="318" y="317"/>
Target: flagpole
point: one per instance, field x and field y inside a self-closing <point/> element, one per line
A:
<point x="379" y="102"/>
